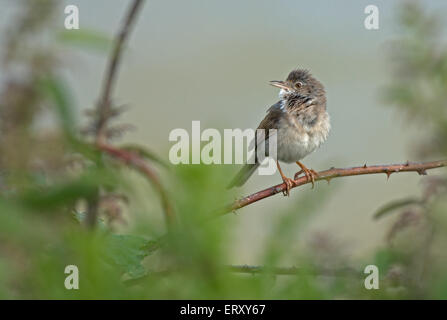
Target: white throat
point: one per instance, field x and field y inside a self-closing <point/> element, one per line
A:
<point x="282" y="93"/>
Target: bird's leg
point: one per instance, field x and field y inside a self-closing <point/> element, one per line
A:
<point x="296" y="176"/>
<point x="289" y="182"/>
<point x="310" y="173"/>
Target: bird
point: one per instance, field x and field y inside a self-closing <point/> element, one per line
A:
<point x="302" y="124"/>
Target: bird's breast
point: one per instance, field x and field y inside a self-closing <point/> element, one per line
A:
<point x="296" y="139"/>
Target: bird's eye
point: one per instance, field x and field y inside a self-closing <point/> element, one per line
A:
<point x="299" y="84"/>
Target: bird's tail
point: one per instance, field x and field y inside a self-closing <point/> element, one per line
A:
<point x="243" y="175"/>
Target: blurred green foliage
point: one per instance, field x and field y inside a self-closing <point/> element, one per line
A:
<point x="52" y="180"/>
<point x="419" y="63"/>
<point x="85" y="39"/>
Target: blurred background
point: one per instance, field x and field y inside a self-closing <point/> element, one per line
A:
<point x="211" y="61"/>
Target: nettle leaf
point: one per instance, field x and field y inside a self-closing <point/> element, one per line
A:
<point x="394" y="205"/>
<point x="128" y="251"/>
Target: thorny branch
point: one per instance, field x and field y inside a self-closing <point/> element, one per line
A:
<point x="327" y="175"/>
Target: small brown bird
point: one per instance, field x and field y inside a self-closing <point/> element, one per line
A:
<point x="301" y="121"/>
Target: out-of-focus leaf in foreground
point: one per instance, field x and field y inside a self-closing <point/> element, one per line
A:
<point x="128" y="251"/>
<point x="86" y="38"/>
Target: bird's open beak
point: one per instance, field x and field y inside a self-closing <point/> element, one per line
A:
<point x="280" y="84"/>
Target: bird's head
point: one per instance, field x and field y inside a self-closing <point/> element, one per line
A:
<point x="299" y="83"/>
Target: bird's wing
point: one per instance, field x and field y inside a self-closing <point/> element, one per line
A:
<point x="277" y="106"/>
<point x="271" y="120"/>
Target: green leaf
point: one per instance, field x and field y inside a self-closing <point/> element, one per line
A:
<point x="67" y="192"/>
<point x="385" y="257"/>
<point x="393" y="205"/>
<point x="86" y="38"/>
<point x="57" y="92"/>
<point x="128" y="251"/>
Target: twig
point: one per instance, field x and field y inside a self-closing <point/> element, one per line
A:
<point x="133" y="159"/>
<point x="277" y="271"/>
<point x="92" y="210"/>
<point x="104" y="104"/>
<point x="291" y="271"/>
<point x="336" y="173"/>
<point x="104" y="107"/>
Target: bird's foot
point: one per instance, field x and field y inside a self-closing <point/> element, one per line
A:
<point x="290" y="183"/>
<point x="310" y="174"/>
<point x="297" y="175"/>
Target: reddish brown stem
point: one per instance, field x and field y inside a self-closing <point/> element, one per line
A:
<point x="104" y="104"/>
<point x="336" y="173"/>
<point x="133" y="159"/>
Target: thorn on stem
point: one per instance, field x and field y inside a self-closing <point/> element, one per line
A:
<point x="388" y="174"/>
<point x="364" y="166"/>
<point x="422" y="172"/>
